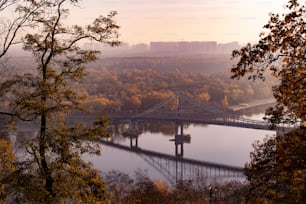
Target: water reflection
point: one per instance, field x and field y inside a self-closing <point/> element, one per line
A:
<point x="210" y="143"/>
<point x="228" y="145"/>
<point x="175" y="168"/>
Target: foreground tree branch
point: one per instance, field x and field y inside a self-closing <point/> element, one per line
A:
<point x="277" y="169"/>
<point x="55" y="166"/>
<point x="282" y="51"/>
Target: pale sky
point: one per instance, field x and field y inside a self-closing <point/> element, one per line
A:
<point x="142" y="21"/>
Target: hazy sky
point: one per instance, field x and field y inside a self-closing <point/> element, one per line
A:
<point x="143" y="21"/>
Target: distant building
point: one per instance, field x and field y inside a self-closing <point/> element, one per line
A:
<point x="185" y="47"/>
<point x="165" y="48"/>
<point x="227" y="47"/>
<point x="140" y="47"/>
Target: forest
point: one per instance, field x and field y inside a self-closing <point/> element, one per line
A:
<point x="136" y="89"/>
<point x="110" y="87"/>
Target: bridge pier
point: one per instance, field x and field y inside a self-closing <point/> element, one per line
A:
<point x="179" y="126"/>
<point x="179" y="140"/>
<point x="133" y="141"/>
<point x="179" y="149"/>
<point x="132" y="133"/>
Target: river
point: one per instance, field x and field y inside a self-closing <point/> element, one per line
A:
<point x="210" y="143"/>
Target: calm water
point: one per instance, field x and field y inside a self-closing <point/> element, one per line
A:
<point x="217" y="144"/>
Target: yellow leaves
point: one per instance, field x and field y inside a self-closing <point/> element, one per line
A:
<point x="136" y="101"/>
<point x="298" y="176"/>
<point x="288" y="32"/>
<point x="6" y="158"/>
<point x="282" y="46"/>
<point x="79" y="182"/>
<point x="286" y="60"/>
<point x="204" y="96"/>
<point x="161" y="187"/>
<point x="287" y="172"/>
<point x="6" y="164"/>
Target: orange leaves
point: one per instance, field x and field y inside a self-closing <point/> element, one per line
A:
<point x="6" y="158"/>
<point x="278" y="164"/>
<point x="281" y="51"/>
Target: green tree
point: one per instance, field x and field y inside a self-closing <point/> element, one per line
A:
<point x="282" y="50"/>
<point x="55" y="168"/>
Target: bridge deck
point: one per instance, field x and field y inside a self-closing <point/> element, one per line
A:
<point x="185" y="109"/>
<point x="219" y="121"/>
<point x="233" y="122"/>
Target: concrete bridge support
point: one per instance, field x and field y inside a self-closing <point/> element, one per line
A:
<point x="179" y="140"/>
<point x="134" y="141"/>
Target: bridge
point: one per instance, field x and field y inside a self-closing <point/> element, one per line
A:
<point x="182" y="108"/>
<point x="175" y="168"/>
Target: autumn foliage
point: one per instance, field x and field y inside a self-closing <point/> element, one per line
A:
<point x="7" y="159"/>
<point x="277" y="169"/>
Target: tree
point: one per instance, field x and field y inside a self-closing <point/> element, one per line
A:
<point x="123" y="189"/>
<point x="7" y="159"/>
<point x="119" y="186"/>
<point x="225" y="102"/>
<point x="282" y="50"/>
<point x="11" y="27"/>
<point x="145" y="191"/>
<point x="204" y="96"/>
<point x="55" y="166"/>
<point x="277" y="169"/>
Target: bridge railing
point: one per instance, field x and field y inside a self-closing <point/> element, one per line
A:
<point x="189" y="110"/>
<point x="204" y="118"/>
